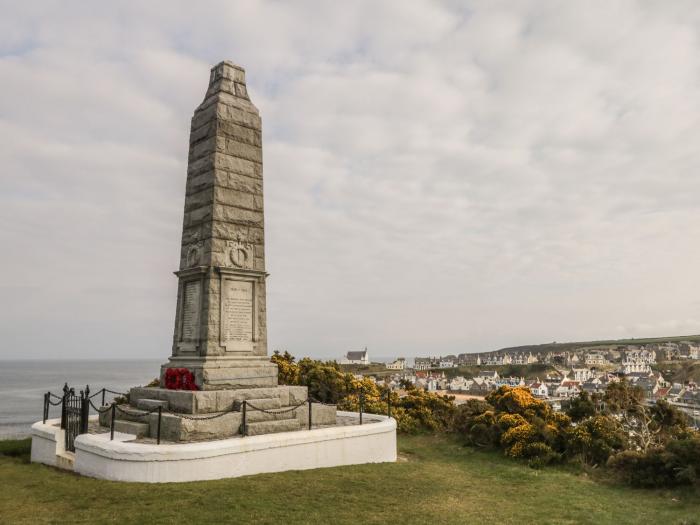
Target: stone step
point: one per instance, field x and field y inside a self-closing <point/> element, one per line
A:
<point x="65" y="460"/>
<point x="255" y="416"/>
<point x="151" y="404"/>
<point x="266" y="404"/>
<point x="132" y="427"/>
<point x="129" y="413"/>
<point x="272" y="427"/>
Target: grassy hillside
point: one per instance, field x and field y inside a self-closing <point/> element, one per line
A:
<point x="679" y="372"/>
<point x="527" y="371"/>
<point x="436" y="481"/>
<point x="375" y="369"/>
<point x="559" y="347"/>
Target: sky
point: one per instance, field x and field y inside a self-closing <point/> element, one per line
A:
<point x="440" y="177"/>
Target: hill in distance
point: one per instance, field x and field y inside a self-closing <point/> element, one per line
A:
<point x="561" y="347"/>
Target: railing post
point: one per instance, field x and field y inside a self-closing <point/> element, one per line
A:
<point x="84" y="411"/>
<point x="63" y="406"/>
<point x="103" y="396"/>
<point x="46" y="407"/>
<point x="309" y="413"/>
<point x="111" y="426"/>
<point x="244" y="427"/>
<point x="362" y="403"/>
<point x="160" y="414"/>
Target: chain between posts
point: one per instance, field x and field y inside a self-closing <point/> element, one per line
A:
<point x="242" y="407"/>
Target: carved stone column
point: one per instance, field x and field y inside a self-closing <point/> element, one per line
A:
<point x="220" y="324"/>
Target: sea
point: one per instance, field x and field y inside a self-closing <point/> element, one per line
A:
<point x="23" y="384"/>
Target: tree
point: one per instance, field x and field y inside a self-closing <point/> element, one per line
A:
<point x="622" y="396"/>
<point x="581" y="407"/>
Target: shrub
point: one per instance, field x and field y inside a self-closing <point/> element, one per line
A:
<point x="581" y="407"/>
<point x="416" y="411"/>
<point x="513" y="420"/>
<point x="676" y="464"/>
<point x="596" y="439"/>
<point x="463" y="415"/>
<point x="641" y="469"/>
<point x="540" y="454"/>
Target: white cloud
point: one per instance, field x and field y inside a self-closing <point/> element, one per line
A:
<point x="439" y="177"/>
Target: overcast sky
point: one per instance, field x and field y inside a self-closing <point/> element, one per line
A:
<point x="439" y="177"/>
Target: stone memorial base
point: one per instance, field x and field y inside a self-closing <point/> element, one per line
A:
<point x="127" y="459"/>
<point x="216" y="414"/>
<point x="226" y="373"/>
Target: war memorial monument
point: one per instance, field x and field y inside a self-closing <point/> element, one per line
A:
<point x="218" y="410"/>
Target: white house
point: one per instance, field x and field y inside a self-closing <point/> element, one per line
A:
<point x="689" y="351"/>
<point x="399" y="364"/>
<point x="539" y="389"/>
<point x="356" y="358"/>
<point x="423" y="363"/>
<point x="595" y="359"/>
<point x="567" y="388"/>
<point x="580" y="374"/>
<point x="448" y="362"/>
<point x="638" y="361"/>
<point x="522" y="358"/>
<point x="458" y="383"/>
<point x="497" y="359"/>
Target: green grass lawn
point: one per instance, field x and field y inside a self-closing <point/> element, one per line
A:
<point x="679" y="371"/>
<point x="435" y="481"/>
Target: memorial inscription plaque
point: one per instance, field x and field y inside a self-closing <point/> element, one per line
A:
<point x="190" y="311"/>
<point x="237" y="314"/>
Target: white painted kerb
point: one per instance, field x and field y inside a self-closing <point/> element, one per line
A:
<point x="48" y="441"/>
<point x="372" y="442"/>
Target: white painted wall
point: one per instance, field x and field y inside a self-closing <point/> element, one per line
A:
<point x="47" y="442"/>
<point x="124" y="460"/>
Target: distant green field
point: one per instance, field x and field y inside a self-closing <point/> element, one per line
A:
<point x="551" y="347"/>
<point x="375" y="369"/>
<point x="436" y="481"/>
<point x="531" y="371"/>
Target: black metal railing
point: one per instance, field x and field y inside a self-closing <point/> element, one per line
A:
<point x="75" y="411"/>
<point x="73" y="415"/>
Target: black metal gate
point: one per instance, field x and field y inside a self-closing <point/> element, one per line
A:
<point x="74" y="414"/>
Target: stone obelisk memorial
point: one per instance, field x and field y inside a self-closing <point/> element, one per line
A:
<point x="218" y="411"/>
<point x="220" y="324"/>
<point x="220" y="337"/>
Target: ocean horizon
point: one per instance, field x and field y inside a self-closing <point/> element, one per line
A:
<point x="24" y="382"/>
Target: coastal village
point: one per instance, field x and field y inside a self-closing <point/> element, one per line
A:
<point x="554" y="376"/>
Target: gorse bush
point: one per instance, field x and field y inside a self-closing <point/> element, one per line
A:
<point x="644" y="446"/>
<point x="595" y="439"/>
<point x="415" y="411"/>
<point x="513" y="420"/>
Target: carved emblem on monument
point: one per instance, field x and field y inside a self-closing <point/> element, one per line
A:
<point x="194" y="254"/>
<point x="240" y="253"/>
